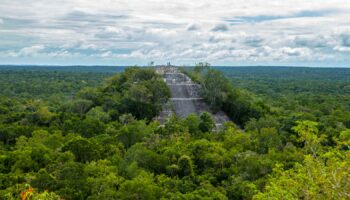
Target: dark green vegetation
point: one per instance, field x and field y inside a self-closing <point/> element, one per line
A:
<point x="39" y="84"/>
<point x="316" y="94"/>
<point x="97" y="140"/>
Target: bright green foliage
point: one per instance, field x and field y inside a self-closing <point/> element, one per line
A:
<point x="315" y="179"/>
<point x="344" y="139"/>
<point x="268" y="138"/>
<point x="102" y="143"/>
<point x="307" y="131"/>
<point x="321" y="176"/>
<point x="193" y="123"/>
<point x="141" y="187"/>
<point x="103" y="180"/>
<point x="133" y="132"/>
<point x="46" y="196"/>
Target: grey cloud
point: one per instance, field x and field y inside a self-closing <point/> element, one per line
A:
<point x="192" y="27"/>
<point x="300" y="14"/>
<point x="13" y="23"/>
<point x="93" y="17"/>
<point x="345" y="40"/>
<point x="220" y="28"/>
<point x="253" y="41"/>
<point x="115" y="33"/>
<point x="315" y="42"/>
<point x="213" y="39"/>
<point x="78" y="21"/>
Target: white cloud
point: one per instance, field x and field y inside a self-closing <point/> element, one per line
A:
<point x="31" y="51"/>
<point x="342" y="49"/>
<point x="296" y="52"/>
<point x="1" y="21"/>
<point x="135" y="30"/>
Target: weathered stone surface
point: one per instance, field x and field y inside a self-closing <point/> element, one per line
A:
<point x="185" y="97"/>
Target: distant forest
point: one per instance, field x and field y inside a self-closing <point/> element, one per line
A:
<point x="89" y="133"/>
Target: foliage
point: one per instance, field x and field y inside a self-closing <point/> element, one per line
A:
<point x="102" y="142"/>
<point x="239" y="105"/>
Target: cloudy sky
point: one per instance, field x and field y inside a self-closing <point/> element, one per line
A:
<point x="222" y="32"/>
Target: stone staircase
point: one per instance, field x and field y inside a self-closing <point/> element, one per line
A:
<point x="185" y="98"/>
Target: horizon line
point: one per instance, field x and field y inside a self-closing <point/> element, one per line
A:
<point x="53" y="65"/>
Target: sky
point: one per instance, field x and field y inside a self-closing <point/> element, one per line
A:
<point x="183" y="32"/>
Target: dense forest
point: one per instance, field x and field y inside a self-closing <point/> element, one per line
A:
<point x="92" y="135"/>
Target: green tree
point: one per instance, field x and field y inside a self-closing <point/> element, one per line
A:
<point x="83" y="150"/>
<point x="102" y="180"/>
<point x="193" y="122"/>
<point x="215" y="89"/>
<point x="206" y="122"/>
<point x="72" y="181"/>
<point x="201" y="67"/>
<point x="133" y="132"/>
<point x="44" y="181"/>
<point x="146" y="158"/>
<point x="308" y="134"/>
<point x="141" y="187"/>
<point x="312" y="180"/>
<point x="185" y="166"/>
